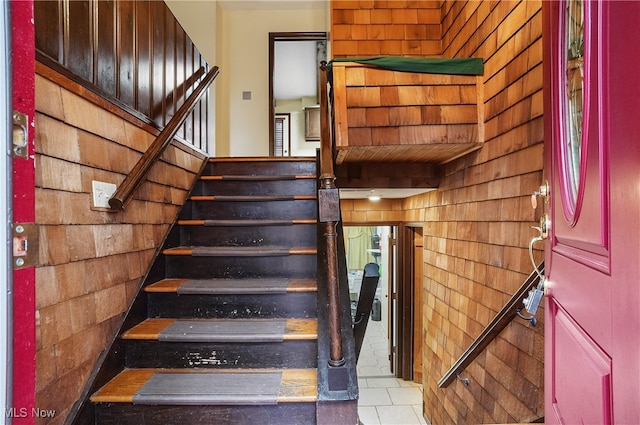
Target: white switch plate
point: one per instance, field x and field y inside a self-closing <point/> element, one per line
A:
<point x="102" y="192"/>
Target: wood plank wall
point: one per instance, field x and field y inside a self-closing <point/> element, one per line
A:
<point x="133" y="52"/>
<point x="477" y="225"/>
<point x="91" y="261"/>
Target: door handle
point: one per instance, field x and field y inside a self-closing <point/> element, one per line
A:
<point x="532" y="301"/>
<point x="543" y="228"/>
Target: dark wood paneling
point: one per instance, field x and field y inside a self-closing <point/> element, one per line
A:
<point x="180" y="72"/>
<point x="49" y="35"/>
<point x="143" y="59"/>
<point x="126" y="15"/>
<point x="157" y="63"/>
<point x="78" y="45"/>
<point x="105" y="60"/>
<point x="132" y="52"/>
<point x="189" y="69"/>
<point x="169" y="64"/>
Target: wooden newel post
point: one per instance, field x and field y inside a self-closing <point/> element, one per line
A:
<point x="329" y="213"/>
<point x="329" y="198"/>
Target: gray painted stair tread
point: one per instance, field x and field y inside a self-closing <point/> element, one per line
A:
<point x="250" y="198"/>
<point x="258" y="177"/>
<point x="224" y="331"/>
<point x="248" y="223"/>
<point x="223" y="388"/>
<point x="239" y="251"/>
<point x="234" y="286"/>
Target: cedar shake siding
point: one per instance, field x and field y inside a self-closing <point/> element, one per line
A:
<point x="476" y="226"/>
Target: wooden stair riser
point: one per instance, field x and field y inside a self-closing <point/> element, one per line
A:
<point x="294" y="235"/>
<point x="190" y="267"/>
<point x="231" y="168"/>
<point x="279" y="414"/>
<point x="294" y="305"/>
<point x="230" y="210"/>
<point x="285" y="354"/>
<point x="228" y="187"/>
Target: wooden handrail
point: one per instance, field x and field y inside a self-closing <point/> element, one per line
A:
<point x="499" y="322"/>
<point x="370" y="279"/>
<point x="134" y="179"/>
<point x="329" y="214"/>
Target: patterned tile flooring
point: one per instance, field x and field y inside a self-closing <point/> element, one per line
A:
<point x="384" y="399"/>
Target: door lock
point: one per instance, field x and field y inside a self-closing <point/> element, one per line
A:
<point x="20" y="135"/>
<point x="543" y="191"/>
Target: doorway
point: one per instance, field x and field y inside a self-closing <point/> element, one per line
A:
<point x="374" y="244"/>
<point x="294" y="61"/>
<point x="399" y="252"/>
<point x="282" y="135"/>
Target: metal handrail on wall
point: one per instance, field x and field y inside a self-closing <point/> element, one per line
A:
<point x="510" y="310"/>
<point x="138" y="174"/>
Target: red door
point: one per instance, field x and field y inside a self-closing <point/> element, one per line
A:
<point x="592" y="164"/>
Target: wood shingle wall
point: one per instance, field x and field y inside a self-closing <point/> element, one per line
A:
<point x="91" y="261"/>
<point x="383" y="115"/>
<point x="381" y="27"/>
<point x="477" y="224"/>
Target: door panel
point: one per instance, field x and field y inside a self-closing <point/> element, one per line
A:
<point x="592" y="163"/>
<point x="583" y="372"/>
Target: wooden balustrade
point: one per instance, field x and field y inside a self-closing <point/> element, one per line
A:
<point x="138" y="174"/>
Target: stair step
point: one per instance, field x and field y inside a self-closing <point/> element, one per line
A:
<point x="240" y="266"/>
<point x="289" y="209"/>
<point x="262" y="159"/>
<point x="252" y="198"/>
<point x="255" y="185"/>
<point x="220" y="330"/>
<point x="266" y="166"/>
<point x="274" y="232"/>
<point x="239" y="251"/>
<point x="258" y="177"/>
<point x="185" y="387"/>
<point x="240" y="223"/>
<point x="233" y="286"/>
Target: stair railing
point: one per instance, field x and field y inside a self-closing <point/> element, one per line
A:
<point x="329" y="214"/>
<point x="368" y="287"/>
<point x="138" y="174"/>
<point x="510" y="310"/>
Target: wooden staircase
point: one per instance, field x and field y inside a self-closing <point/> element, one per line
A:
<point x="225" y="330"/>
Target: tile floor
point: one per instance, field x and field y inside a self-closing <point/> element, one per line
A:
<point x="384" y="399"/>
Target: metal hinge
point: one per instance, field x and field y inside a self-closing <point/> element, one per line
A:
<point x="26" y="245"/>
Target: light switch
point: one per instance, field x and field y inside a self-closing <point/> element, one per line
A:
<point x="102" y="192"/>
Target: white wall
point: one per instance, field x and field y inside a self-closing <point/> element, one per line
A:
<point x="199" y="20"/>
<point x="242" y="127"/>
